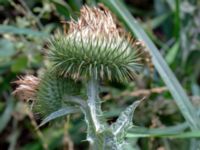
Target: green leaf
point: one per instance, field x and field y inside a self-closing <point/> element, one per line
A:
<point x="157" y="21"/>
<point x="177" y="20"/>
<point x="63" y="9"/>
<point x="124" y="122"/>
<point x="171" y="4"/>
<point x="19" y="64"/>
<point x="6" y="48"/>
<point x="172" y="53"/>
<point x="75" y="4"/>
<point x="195" y="89"/>
<point x="5" y="117"/>
<point x="23" y="31"/>
<point x="59" y="113"/>
<point x="192" y="63"/>
<point x="165" y="72"/>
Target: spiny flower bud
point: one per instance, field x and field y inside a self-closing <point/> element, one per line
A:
<point x="27" y="87"/>
<point x="94" y="47"/>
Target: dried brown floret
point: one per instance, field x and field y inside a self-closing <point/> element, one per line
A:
<point x="27" y="87"/>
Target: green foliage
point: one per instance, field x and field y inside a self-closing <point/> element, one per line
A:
<point x="6" y="116"/>
<point x="172" y="25"/>
<point x="171" y="55"/>
<point x="19" y="64"/>
<point x="21" y="31"/>
<point x="167" y="75"/>
<point x="6" y="48"/>
<point x="112" y="59"/>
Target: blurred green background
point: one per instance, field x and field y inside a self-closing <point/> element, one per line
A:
<point x="26" y="25"/>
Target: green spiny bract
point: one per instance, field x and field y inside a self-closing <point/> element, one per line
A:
<point x="105" y="58"/>
<point x="51" y="93"/>
<point x="94" y="47"/>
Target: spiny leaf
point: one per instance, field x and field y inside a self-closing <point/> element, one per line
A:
<point x="124" y="122"/>
<point x="59" y="113"/>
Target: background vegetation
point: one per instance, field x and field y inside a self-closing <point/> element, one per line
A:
<point x="166" y="120"/>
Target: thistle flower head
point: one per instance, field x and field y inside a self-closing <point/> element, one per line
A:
<point x="27" y="87"/>
<point x="94" y="47"/>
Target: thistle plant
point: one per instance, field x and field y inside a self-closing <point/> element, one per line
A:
<point x="92" y="51"/>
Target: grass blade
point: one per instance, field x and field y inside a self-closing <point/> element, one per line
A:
<point x="192" y="134"/>
<point x="7" y="114"/>
<point x="177" y="129"/>
<point x="23" y="31"/>
<point x="172" y="53"/>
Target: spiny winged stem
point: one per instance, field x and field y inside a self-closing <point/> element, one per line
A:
<point x="94" y="103"/>
<point x="100" y="135"/>
<point x="93" y="114"/>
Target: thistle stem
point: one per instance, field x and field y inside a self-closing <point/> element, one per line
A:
<point x="99" y="135"/>
<point x="94" y="103"/>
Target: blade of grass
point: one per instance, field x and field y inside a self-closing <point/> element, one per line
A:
<point x="23" y="31"/>
<point x="165" y="72"/>
<point x="171" y="4"/>
<point x="172" y="53"/>
<point x="192" y="134"/>
<point x="177" y="129"/>
<point x="177" y="20"/>
<point x="7" y="114"/>
<point x="156" y="22"/>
